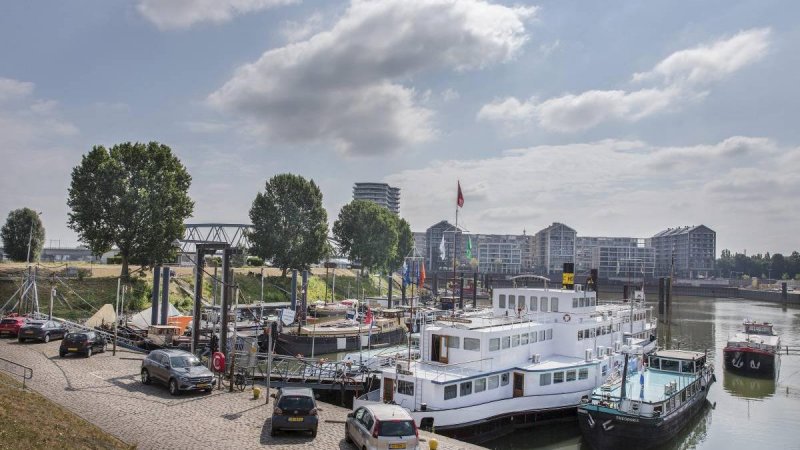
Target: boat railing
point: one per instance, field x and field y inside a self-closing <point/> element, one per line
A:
<point x="461" y="369"/>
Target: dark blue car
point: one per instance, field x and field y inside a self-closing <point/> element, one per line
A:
<point x="295" y="409"/>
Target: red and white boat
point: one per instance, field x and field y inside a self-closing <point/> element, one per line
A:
<point x="756" y="351"/>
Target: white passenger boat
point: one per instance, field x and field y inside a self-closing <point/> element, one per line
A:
<point x="532" y="357"/>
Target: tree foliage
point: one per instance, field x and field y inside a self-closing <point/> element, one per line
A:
<point x="133" y="196"/>
<point x="367" y="233"/>
<point x="405" y="242"/>
<point x="775" y="266"/>
<point x="290" y="226"/>
<point x="22" y="226"/>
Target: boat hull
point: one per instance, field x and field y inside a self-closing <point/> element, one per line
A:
<point x="603" y="428"/>
<point x="751" y="362"/>
<point x="292" y="344"/>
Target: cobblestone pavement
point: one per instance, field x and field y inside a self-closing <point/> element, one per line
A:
<point x="106" y="390"/>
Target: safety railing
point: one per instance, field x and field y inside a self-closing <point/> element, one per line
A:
<point x="26" y="373"/>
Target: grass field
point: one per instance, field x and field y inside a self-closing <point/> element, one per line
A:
<point x="30" y="421"/>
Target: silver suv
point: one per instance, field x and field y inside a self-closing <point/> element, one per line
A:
<point x="178" y="369"/>
<point x="381" y="427"/>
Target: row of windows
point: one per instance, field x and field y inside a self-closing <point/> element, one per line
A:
<point x="599" y="331"/>
<point x="479" y="385"/>
<point x="536" y="304"/>
<point x="405" y="387"/>
<point x="471" y="344"/>
<point x="583" y="302"/>
<point x="560" y="377"/>
<point x="520" y="339"/>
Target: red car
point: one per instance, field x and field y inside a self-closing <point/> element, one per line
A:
<point x="10" y="326"/>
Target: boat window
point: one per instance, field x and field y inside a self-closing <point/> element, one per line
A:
<point x="504" y="379"/>
<point x="580" y="335"/>
<point x="494" y="381"/>
<point x="570" y="375"/>
<point x="523" y="338"/>
<point x="583" y="373"/>
<point x="544" y="379"/>
<point x="506" y="341"/>
<point x="670" y="365"/>
<point x="686" y="366"/>
<point x="450" y="391"/>
<point x="541" y="335"/>
<point x="453" y="341"/>
<point x="554" y="304"/>
<point x="592" y="301"/>
<point x="480" y="385"/>
<point x="575" y="302"/>
<point x="543" y="304"/>
<point x="502" y="300"/>
<point x="655" y="363"/>
<point x="466" y="388"/>
<point x="521" y="301"/>
<point x="405" y="387"/>
<point x="515" y="340"/>
<point x="494" y="344"/>
<point x="533" y="304"/>
<point x="512" y="304"/>
<point x="550" y="333"/>
<point x="533" y="337"/>
<point x="558" y="377"/>
<point x="657" y="410"/>
<point x="583" y="302"/>
<point x="472" y="344"/>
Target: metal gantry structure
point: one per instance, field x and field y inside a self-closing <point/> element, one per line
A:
<point x="233" y="234"/>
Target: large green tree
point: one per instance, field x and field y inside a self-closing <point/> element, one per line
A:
<point x="134" y="196"/>
<point x="367" y="233"/>
<point x="405" y="243"/>
<point x="23" y="226"/>
<point x="290" y="226"/>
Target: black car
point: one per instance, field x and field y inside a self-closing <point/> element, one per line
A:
<point x="295" y="409"/>
<point x="42" y="330"/>
<point x="83" y="342"/>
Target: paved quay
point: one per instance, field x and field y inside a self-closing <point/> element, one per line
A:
<point x="106" y="391"/>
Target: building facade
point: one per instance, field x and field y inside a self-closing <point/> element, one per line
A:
<point x="552" y="247"/>
<point x="498" y="253"/>
<point x="380" y="193"/>
<point x="691" y="249"/>
<point x="614" y="257"/>
<point x="420" y="242"/>
<point x="435" y="259"/>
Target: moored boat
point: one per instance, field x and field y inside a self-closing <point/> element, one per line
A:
<point x="338" y="336"/>
<point x="754" y="352"/>
<point x="650" y="404"/>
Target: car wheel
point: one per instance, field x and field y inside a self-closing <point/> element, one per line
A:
<point x="207" y="391"/>
<point x="347" y="437"/>
<point x="21" y="339"/>
<point x="173" y="387"/>
<point x="46" y="338"/>
<point x="314" y="433"/>
<point x="89" y="352"/>
<point x="61" y="353"/>
<point x="146" y="377"/>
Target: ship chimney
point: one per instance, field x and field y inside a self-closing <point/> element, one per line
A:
<point x="568" y="276"/>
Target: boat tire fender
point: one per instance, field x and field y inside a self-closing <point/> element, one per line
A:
<point x="567" y="317"/>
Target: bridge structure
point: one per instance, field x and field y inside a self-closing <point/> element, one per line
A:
<point x="234" y="234"/>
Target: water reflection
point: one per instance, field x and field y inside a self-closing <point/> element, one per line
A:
<point x="748" y="387"/>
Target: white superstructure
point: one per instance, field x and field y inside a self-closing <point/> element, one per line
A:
<point x="535" y="350"/>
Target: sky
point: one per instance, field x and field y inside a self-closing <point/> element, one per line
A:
<point x="616" y="118"/>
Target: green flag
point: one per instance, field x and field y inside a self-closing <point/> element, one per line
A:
<point x="469" y="247"/>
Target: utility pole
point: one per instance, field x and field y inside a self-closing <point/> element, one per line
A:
<point x="116" y="319"/>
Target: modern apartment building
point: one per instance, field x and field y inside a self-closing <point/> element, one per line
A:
<point x="692" y="250"/>
<point x="435" y="260"/>
<point x="614" y="257"/>
<point x="420" y="242"/>
<point x="380" y="193"/>
<point x="498" y="253"/>
<point x="552" y="247"/>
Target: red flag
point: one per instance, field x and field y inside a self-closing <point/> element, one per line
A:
<point x="368" y="318"/>
<point x="460" y="200"/>
<point x="422" y="273"/>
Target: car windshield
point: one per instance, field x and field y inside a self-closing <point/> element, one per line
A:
<point x="295" y="402"/>
<point x="184" y="361"/>
<point x="76" y="336"/>
<point x="9" y="321"/>
<point x="396" y="428"/>
<point x="36" y="324"/>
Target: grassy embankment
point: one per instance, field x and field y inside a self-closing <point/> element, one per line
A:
<point x="30" y="421"/>
<point x="80" y="297"/>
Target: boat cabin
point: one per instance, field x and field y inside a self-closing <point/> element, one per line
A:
<point x="163" y="335"/>
<point x="764" y="328"/>
<point x="677" y="361"/>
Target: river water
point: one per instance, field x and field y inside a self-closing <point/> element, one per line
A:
<point x="742" y="413"/>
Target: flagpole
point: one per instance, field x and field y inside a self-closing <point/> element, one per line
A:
<point x="455" y="237"/>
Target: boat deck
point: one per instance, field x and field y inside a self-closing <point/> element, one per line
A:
<point x="654" y="381"/>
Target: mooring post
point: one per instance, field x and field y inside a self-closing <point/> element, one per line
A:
<point x="389" y="294"/>
<point x="164" y="294"/>
<point x="474" y="290"/>
<point x="154" y="308"/>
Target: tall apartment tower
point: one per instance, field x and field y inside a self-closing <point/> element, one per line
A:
<point x="688" y="252"/>
<point x="380" y="193"/>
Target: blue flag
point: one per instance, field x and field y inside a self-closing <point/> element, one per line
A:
<point x="406" y="274"/>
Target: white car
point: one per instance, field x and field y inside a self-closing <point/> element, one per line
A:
<point x="379" y="427"/>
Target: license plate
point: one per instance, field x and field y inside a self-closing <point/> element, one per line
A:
<point x="203" y="385"/>
<point x="295" y="419"/>
<point x="397" y="445"/>
<point x="29" y="332"/>
<point x="72" y="349"/>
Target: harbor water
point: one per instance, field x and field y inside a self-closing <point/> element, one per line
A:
<point x="741" y="412"/>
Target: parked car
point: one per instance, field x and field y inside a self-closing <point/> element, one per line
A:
<point x="381" y="427"/>
<point x="42" y="330"/>
<point x="10" y="326"/>
<point x="178" y="369"/>
<point x="295" y="409"/>
<point x="84" y="342"/>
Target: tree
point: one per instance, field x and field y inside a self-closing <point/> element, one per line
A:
<point x="133" y="196"/>
<point x="23" y="226"/>
<point x="367" y="233"/>
<point x="405" y="242"/>
<point x="290" y="226"/>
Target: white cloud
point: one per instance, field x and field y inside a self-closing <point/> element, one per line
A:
<point x="712" y="62"/>
<point x="450" y="95"/>
<point x="14" y="89"/>
<point x="295" y="31"/>
<point x="343" y="85"/>
<point x="684" y="76"/>
<point x="615" y="187"/>
<point x="206" y="127"/>
<point x="177" y="14"/>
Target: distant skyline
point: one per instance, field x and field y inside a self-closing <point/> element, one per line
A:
<point x="617" y="119"/>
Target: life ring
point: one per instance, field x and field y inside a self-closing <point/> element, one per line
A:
<point x="218" y="361"/>
<point x="567" y="317"/>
